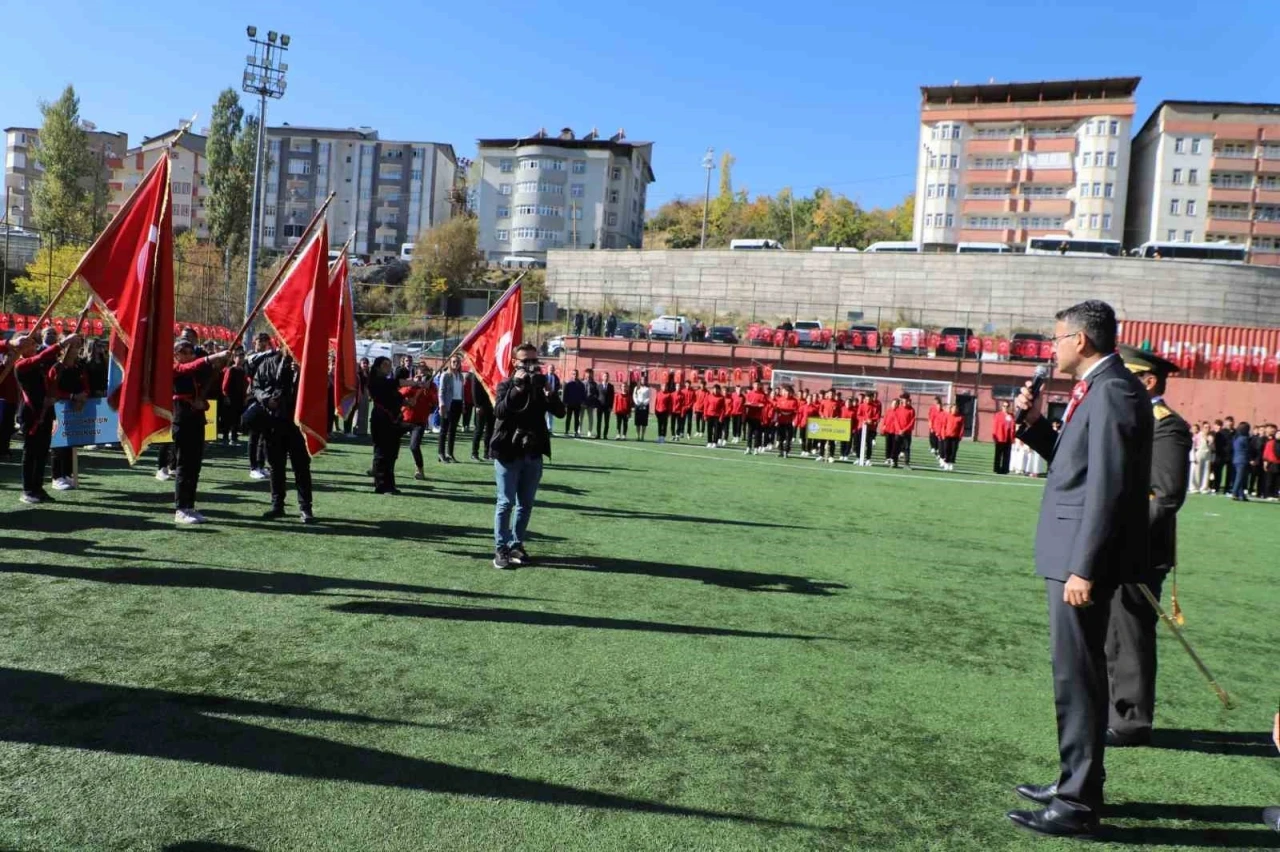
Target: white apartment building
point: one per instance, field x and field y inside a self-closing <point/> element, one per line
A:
<point x="1006" y="162"/>
<point x="543" y="192"/>
<point x="187" y="171"/>
<point x="1208" y="171"/>
<point x="386" y="192"/>
<point x="22" y="172"/>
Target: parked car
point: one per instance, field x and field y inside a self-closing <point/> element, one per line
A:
<point x="1025" y="346"/>
<point x="383" y="349"/>
<point x="864" y="333"/>
<point x="553" y="346"/>
<point x="806" y="332"/>
<point x="722" y="334"/>
<point x="441" y="347"/>
<point x="909" y="341"/>
<point x="630" y="330"/>
<point x="962" y="335"/>
<point x="669" y="327"/>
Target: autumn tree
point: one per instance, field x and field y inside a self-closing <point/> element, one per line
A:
<point x="445" y="261"/>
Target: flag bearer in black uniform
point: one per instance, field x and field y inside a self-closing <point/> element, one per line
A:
<point x="275" y="387"/>
<point x="69" y="383"/>
<point x="191" y="378"/>
<point x="36" y="412"/>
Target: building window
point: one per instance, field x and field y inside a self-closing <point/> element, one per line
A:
<point x="1193" y="176"/>
<point x="1097" y="157"/>
<point x="1111" y="158"/>
<point x="1097" y="190"/>
<point x="505" y="166"/>
<point x="1084" y="190"/>
<point x="613" y="219"/>
<point x="1195" y="146"/>
<point x="1174" y="204"/>
<point x="504" y="212"/>
<point x="1188" y="236"/>
<point x="1109" y="190"/>
<point x="955" y="161"/>
<point x="270" y="210"/>
<point x="951" y="190"/>
<point x="577" y="190"/>
<point x="613" y="196"/>
<point x="933" y="161"/>
<point x="1179" y="145"/>
<point x="928" y="220"/>
<point x="616" y="174"/>
<point x="1115" y="128"/>
<point x="1106" y="221"/>
<point x="501" y="234"/>
<point x="269" y="231"/>
<point x="1177" y="175"/>
<point x="579" y="167"/>
<point x="950" y="220"/>
<point x="415" y="174"/>
<point x="299" y="167"/>
<point x="1173" y="235"/>
<point x="504" y="189"/>
<point x="528" y="163"/>
<point x="1191" y="207"/>
<point x="1093" y="221"/>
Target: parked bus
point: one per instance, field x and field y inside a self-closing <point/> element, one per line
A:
<point x="982" y="248"/>
<point x="754" y="245"/>
<point x="1203" y="252"/>
<point x="1070" y="246"/>
<point x="892" y="246"/>
<point x="834" y="248"/>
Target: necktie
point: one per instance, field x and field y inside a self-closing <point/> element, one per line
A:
<point x="1077" y="395"/>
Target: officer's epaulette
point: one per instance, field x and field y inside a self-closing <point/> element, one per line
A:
<point x="1161" y="411"/>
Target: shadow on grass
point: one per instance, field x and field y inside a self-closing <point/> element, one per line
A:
<point x="632" y="514"/>
<point x="1246" y="744"/>
<point x="46" y="709"/>
<point x="750" y="581"/>
<point x="1218" y="838"/>
<point x="547" y="619"/>
<point x="205" y="846"/>
<point x="240" y="580"/>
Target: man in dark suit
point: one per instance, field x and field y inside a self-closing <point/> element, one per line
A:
<point x="1131" y="636"/>
<point x="1091" y="536"/>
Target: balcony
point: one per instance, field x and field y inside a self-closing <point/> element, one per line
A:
<point x="985" y="235"/>
<point x="1233" y="163"/>
<point x="1053" y="143"/>
<point x="1055" y="177"/>
<point x="1217" y="225"/>
<point x="1269" y="166"/>
<point x="987" y="205"/>
<point x="992" y="146"/>
<point x="1267" y="196"/>
<point x="1266" y="228"/>
<point x="1265" y="257"/>
<point x="1231" y="196"/>
<point x="1046" y="206"/>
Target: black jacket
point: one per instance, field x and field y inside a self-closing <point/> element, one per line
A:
<point x="575" y="392"/>
<point x="1222" y="445"/>
<point x="593" y="393"/>
<point x="274" y="378"/>
<point x="1170" y="447"/>
<point x="521" y="427"/>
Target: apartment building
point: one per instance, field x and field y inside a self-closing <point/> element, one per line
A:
<point x="22" y="172"/>
<point x="188" y="168"/>
<point x="1208" y="171"/>
<point x="543" y="192"/>
<point x="1006" y="162"/>
<point x="386" y="192"/>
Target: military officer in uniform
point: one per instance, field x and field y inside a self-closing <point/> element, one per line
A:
<point x="1131" y="633"/>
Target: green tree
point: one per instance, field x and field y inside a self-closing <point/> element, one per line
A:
<point x="71" y="196"/>
<point x="43" y="278"/>
<point x="445" y="260"/>
<point x="230" y="176"/>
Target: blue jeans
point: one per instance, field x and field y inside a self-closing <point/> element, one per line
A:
<point x="517" y="486"/>
<point x="1242" y="479"/>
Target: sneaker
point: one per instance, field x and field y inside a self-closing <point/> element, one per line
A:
<point x="306" y="517"/>
<point x="502" y="559"/>
<point x="31" y="499"/>
<point x="517" y="554"/>
<point x="419" y="476"/>
<point x="720" y="444"/>
<point x="711" y="446"/>
<point x="256" y="473"/>
<point x="163" y="474"/>
<point x="186" y="516"/>
<point x="62" y="484"/>
<point x="746" y="452"/>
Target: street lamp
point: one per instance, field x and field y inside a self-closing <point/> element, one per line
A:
<point x="708" y="163"/>
<point x="263" y="76"/>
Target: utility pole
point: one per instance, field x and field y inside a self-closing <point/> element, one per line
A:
<point x="708" y="163"/>
<point x="263" y="76"/>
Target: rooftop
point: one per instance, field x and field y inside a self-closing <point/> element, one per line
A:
<point x="1045" y="90"/>
<point x="1218" y="106"/>
<point x="286" y="129"/>
<point x="190" y="141"/>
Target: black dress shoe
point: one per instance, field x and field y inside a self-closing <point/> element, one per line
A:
<point x="1041" y="794"/>
<point x="306" y="517"/>
<point x="1116" y="739"/>
<point x="1055" y="822"/>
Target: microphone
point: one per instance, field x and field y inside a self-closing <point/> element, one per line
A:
<point x="1037" y="382"/>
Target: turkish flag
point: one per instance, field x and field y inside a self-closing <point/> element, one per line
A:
<point x="303" y="312"/>
<point x="489" y="346"/>
<point x="129" y="271"/>
<point x="346" y="383"/>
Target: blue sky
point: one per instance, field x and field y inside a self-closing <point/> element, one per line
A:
<point x="803" y="93"/>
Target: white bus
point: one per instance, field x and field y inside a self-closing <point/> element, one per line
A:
<point x="892" y="246"/>
<point x="1203" y="252"/>
<point x="982" y="248"/>
<point x="1070" y="246"/>
<point x="754" y="245"/>
<point x="834" y="248"/>
<point x="406" y="252"/>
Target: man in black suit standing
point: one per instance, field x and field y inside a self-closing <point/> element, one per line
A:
<point x="1091" y="538"/>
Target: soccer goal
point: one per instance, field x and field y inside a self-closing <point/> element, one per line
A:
<point x="886" y="387"/>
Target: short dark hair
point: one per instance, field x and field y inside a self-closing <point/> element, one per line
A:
<point x="1096" y="319"/>
<point x="527" y="347"/>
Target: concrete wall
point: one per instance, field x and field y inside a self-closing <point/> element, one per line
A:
<point x="933" y="290"/>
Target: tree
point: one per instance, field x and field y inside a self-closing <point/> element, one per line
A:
<point x="231" y="154"/>
<point x="70" y="199"/>
<point x="43" y="278"/>
<point x="445" y="260"/>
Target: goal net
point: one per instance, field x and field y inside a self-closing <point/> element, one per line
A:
<point x="886" y="387"/>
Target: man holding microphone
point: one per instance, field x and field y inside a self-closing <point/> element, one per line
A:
<point x="1091" y="538"/>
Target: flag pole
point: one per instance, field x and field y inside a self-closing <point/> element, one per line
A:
<point x="490" y="313"/>
<point x="88" y="306"/>
<point x="275" y="282"/>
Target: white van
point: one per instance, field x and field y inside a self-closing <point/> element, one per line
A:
<point x="406" y="252"/>
<point x="894" y="246"/>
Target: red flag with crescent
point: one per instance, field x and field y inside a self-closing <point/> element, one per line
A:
<point x="489" y="346"/>
<point x="346" y="380"/>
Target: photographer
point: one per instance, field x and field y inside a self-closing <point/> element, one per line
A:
<point x="520" y="440"/>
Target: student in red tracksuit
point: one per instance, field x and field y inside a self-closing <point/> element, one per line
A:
<point x="787" y="410"/>
<point x="662" y="402"/>
<point x="935" y="424"/>
<point x="737" y="411"/>
<point x="420" y="398"/>
<point x="754" y="405"/>
<point x="874" y="412"/>
<point x="235" y="389"/>
<point x="768" y="422"/>
<point x="698" y="408"/>
<point x="712" y="405"/>
<point x="906" y="430"/>
<point x="1003" y="431"/>
<point x="809" y="410"/>
<point x="827" y="408"/>
<point x="69" y="383"/>
<point x="681" y="410"/>
<point x="36" y="412"/>
<point x="952" y="432"/>
<point x="889" y="428"/>
<point x="622" y="411"/>
<point x="848" y="411"/>
<point x="191" y="377"/>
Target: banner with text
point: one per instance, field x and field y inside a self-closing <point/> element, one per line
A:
<point x="828" y="429"/>
<point x="97" y="423"/>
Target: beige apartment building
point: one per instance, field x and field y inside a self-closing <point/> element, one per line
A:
<point x="188" y="168"/>
<point x="386" y="192"/>
<point x="1007" y="162"/>
<point x="1208" y="171"/>
<point x="21" y="172"/>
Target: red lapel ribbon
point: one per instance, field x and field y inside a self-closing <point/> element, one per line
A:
<point x="1077" y="396"/>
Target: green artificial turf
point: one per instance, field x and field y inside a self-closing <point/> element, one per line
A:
<point x="713" y="653"/>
